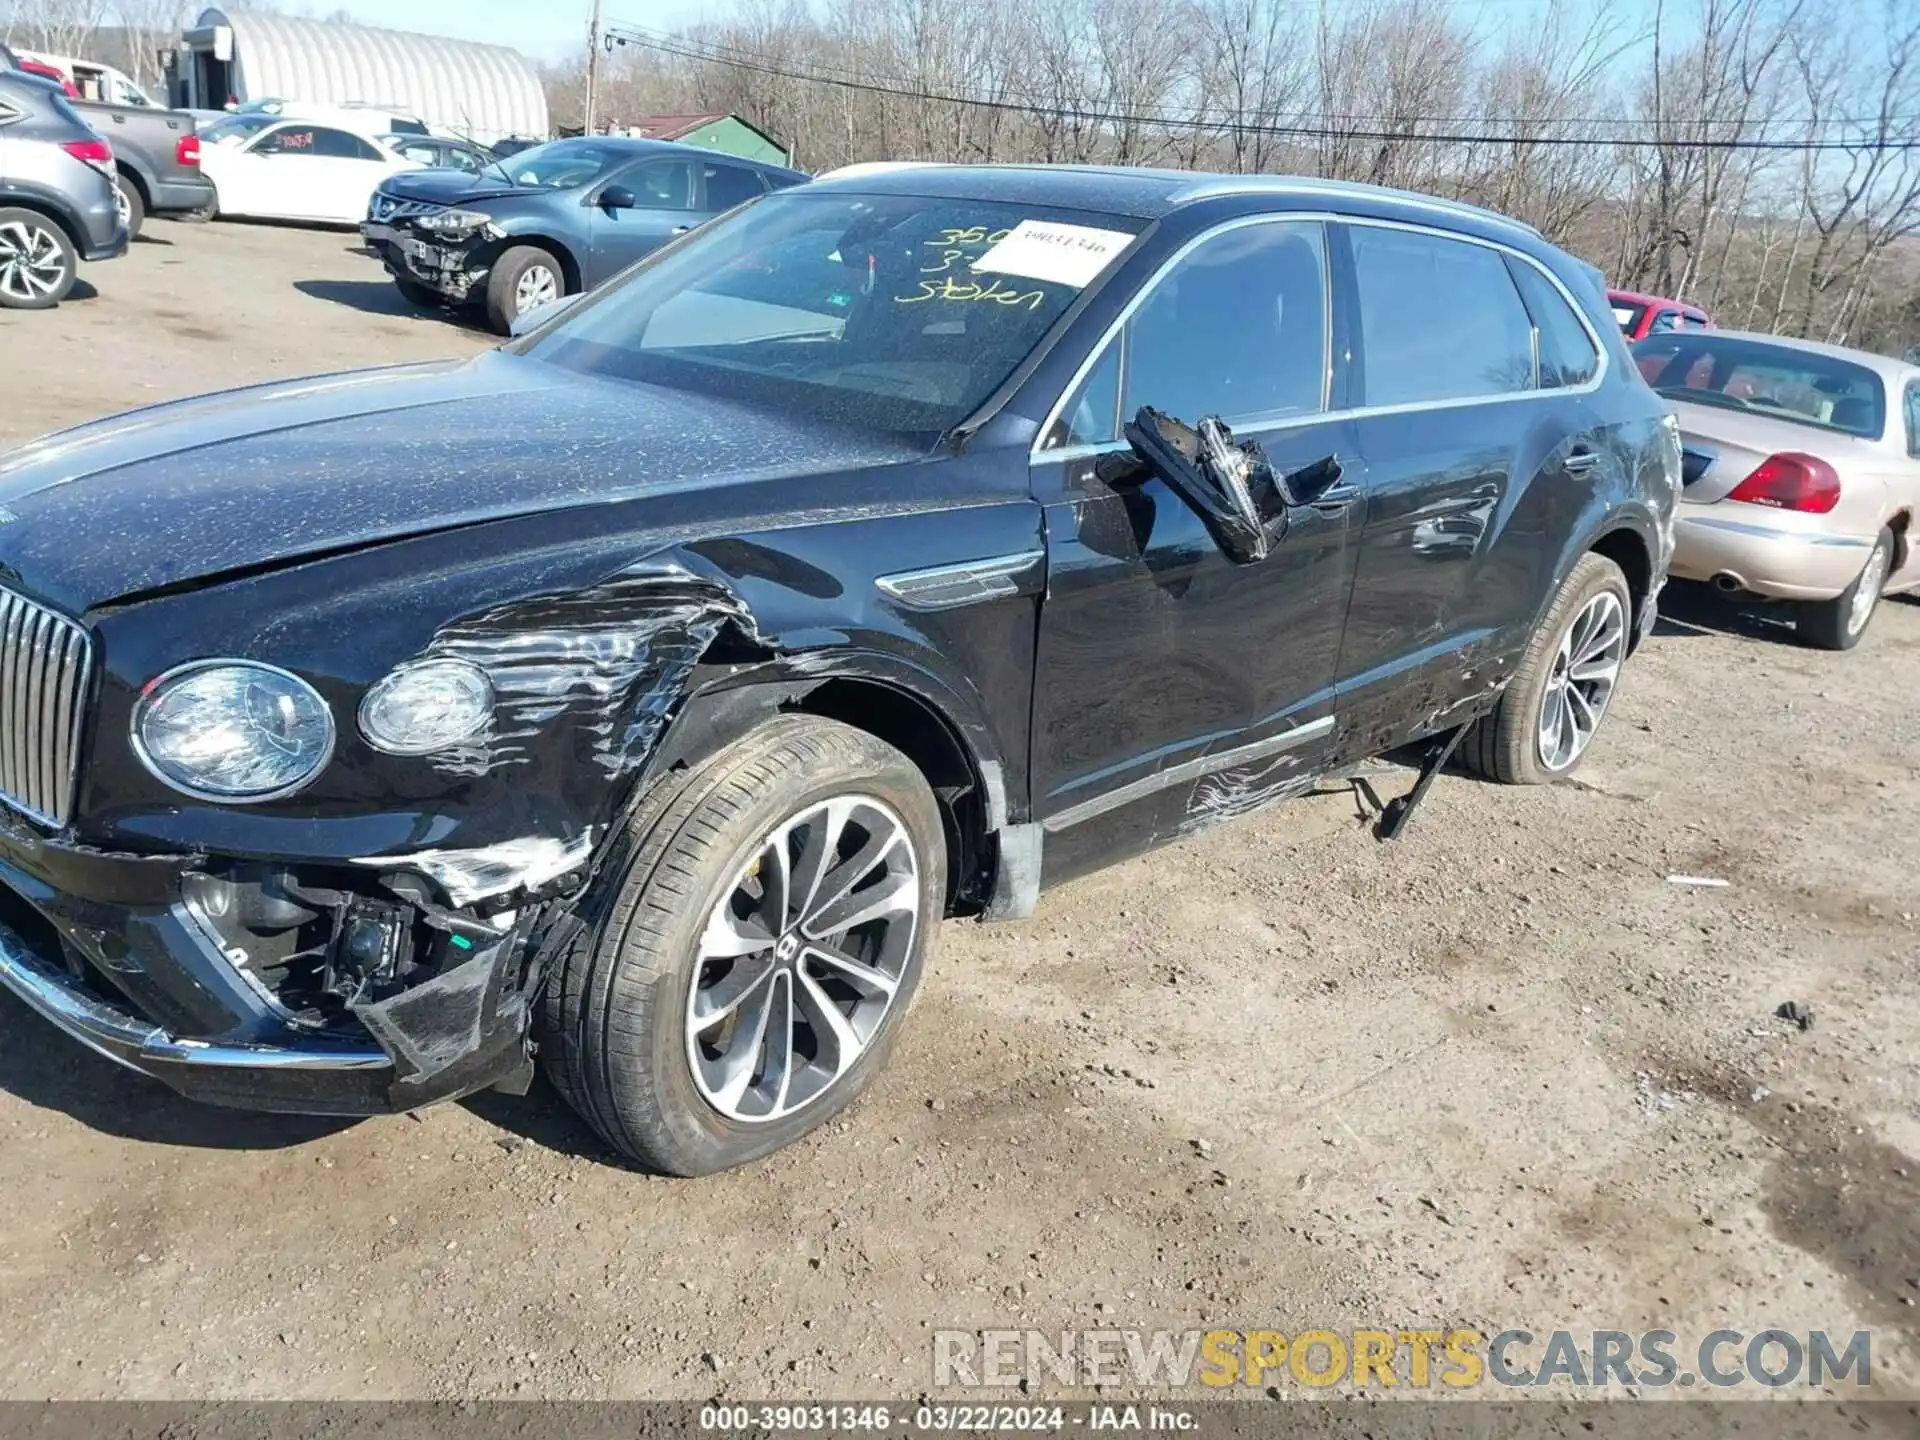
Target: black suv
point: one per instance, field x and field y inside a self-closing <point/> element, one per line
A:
<point x="643" y="693"/>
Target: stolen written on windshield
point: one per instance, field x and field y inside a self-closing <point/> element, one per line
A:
<point x="1045" y="250"/>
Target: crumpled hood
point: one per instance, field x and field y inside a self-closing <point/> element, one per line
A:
<point x="456" y="187"/>
<point x="231" y="481"/>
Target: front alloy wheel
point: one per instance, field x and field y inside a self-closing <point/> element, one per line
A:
<point x="764" y="935"/>
<point x="802" y="958"/>
<point x="1580" y="686"/>
<point x="538" y="286"/>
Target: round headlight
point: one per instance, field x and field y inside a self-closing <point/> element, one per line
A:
<point x="426" y="706"/>
<point x="233" y="730"/>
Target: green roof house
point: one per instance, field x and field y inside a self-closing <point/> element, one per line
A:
<point x="727" y="133"/>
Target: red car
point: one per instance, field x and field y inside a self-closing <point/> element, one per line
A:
<point x="1644" y="315"/>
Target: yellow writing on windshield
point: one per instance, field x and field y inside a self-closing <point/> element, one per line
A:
<point x="995" y="292"/>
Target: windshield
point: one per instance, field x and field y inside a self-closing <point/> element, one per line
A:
<point x="1801" y="386"/>
<point x="892" y="313"/>
<point x="563" y="164"/>
<point x="236" y="129"/>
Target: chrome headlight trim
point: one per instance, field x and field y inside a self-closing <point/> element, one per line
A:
<point x="161" y="682"/>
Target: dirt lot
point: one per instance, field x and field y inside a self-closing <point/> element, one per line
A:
<point x="1504" y="1074"/>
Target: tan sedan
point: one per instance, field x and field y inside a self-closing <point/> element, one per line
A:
<point x="1802" y="471"/>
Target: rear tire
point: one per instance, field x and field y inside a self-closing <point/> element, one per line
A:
<point x="521" y="276"/>
<point x="1585" y="629"/>
<point x="640" y="1031"/>
<point x="1839" y="623"/>
<point x="133" y="208"/>
<point x="38" y="263"/>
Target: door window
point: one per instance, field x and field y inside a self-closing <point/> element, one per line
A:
<point x="421" y="154"/>
<point x="731" y="185"/>
<point x="1567" y="354"/>
<point x="459" y="159"/>
<point x="339" y="145"/>
<point x="316" y="140"/>
<point x="1237" y="328"/>
<point x="1913" y="419"/>
<point x="287" y="140"/>
<point x="1439" y="319"/>
<point x="662" y="186"/>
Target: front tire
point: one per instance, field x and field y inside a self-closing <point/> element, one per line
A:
<point x="1838" y="624"/>
<point x="414" y="293"/>
<point x="524" y="278"/>
<point x="37" y="261"/>
<point x="759" y="952"/>
<point x="1559" y="694"/>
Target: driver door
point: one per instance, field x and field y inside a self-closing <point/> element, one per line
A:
<point x="1173" y="686"/>
<point x="635" y="211"/>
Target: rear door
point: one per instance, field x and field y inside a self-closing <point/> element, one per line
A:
<point x="303" y="171"/>
<point x="663" y="204"/>
<point x="1175" y="687"/>
<point x="1477" y="469"/>
<point x="352" y="168"/>
<point x="723" y="186"/>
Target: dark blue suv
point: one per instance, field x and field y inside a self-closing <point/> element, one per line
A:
<point x="550" y="221"/>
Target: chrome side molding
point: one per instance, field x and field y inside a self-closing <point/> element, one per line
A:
<point x="1194" y="769"/>
<point x="947" y="587"/>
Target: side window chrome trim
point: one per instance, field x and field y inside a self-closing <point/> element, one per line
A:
<point x="1037" y="454"/>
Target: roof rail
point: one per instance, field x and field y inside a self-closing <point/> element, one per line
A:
<point x="1212" y="186"/>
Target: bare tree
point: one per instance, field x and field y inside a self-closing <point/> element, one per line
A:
<point x="1646" y="150"/>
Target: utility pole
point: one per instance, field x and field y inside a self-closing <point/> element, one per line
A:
<point x="593" y="63"/>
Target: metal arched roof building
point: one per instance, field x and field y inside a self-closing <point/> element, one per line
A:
<point x="485" y="91"/>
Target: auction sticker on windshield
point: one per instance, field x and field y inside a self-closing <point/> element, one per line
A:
<point x="1052" y="251"/>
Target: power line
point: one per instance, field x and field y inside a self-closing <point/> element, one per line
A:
<point x="722" y="53"/>
<point x="733" y="58"/>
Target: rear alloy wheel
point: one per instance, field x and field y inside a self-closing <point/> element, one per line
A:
<point x="1838" y="624"/>
<point x="524" y="278"/>
<point x="1564" y="684"/>
<point x="37" y="261"/>
<point x="1580" y="685"/>
<point x="766" y="932"/>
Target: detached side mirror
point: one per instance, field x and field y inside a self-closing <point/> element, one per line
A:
<point x="617" y="197"/>
<point x="1229" y="485"/>
<point x="530" y="319"/>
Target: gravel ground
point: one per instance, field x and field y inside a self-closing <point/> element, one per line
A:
<point x="1502" y="1074"/>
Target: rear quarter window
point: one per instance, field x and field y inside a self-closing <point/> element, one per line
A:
<point x="1440" y="319"/>
<point x="1567" y="352"/>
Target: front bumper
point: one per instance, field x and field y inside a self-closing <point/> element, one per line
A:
<point x="1765" y="551"/>
<point x="317" y="1079"/>
<point x="102" y="946"/>
<point x="451" y="269"/>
